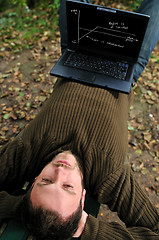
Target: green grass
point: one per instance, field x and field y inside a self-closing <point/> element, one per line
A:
<point x="18" y="32"/>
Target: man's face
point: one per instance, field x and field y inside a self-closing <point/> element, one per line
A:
<point x="59" y="186"/>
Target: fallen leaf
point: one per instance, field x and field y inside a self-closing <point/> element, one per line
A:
<point x="5" y="129"/>
<point x="12" y="115"/>
<point x="144" y="171"/>
<point x="157" y="179"/>
<point x="6" y="116"/>
<point x="138" y="152"/>
<point x="21" y="94"/>
<point x="42" y="98"/>
<point x="157" y="205"/>
<point x="147" y="136"/>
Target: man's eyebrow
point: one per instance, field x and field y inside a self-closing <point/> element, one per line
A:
<point x="65" y="189"/>
<point x="70" y="192"/>
<point x="42" y="184"/>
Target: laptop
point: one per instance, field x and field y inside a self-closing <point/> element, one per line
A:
<point x="103" y="45"/>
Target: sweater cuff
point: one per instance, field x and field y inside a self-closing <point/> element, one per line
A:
<point x="91" y="228"/>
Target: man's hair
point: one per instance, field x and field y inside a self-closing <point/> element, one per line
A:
<point x="48" y="225"/>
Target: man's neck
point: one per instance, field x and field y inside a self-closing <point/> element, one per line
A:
<point x="81" y="225"/>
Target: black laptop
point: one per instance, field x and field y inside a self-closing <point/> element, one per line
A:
<point x="103" y="45"/>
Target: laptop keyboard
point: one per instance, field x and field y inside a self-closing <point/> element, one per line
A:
<point x="115" y="69"/>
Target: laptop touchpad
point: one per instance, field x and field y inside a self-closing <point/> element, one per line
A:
<point x="86" y="76"/>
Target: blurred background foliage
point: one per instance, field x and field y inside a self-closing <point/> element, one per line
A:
<point x="23" y="22"/>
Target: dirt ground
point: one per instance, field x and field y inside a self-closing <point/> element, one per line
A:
<point x="26" y="84"/>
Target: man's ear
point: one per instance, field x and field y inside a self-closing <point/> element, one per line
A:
<point x="83" y="197"/>
<point x="33" y="184"/>
<point x="81" y="224"/>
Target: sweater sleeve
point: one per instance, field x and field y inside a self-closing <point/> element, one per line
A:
<point x="121" y="192"/>
<point x="12" y="164"/>
<point x="12" y="176"/>
<point x="9" y="204"/>
<point x="95" y="229"/>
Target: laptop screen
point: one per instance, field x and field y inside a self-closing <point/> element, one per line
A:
<point x="105" y="31"/>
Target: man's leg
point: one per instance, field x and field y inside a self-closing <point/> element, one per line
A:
<point x="62" y="23"/>
<point x="149" y="7"/>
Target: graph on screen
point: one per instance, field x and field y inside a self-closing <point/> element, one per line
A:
<point x="105" y="30"/>
<point x="114" y="34"/>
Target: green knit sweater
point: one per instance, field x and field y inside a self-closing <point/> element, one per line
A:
<point x="91" y="122"/>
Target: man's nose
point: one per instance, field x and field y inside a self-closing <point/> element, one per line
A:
<point x="59" y="172"/>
